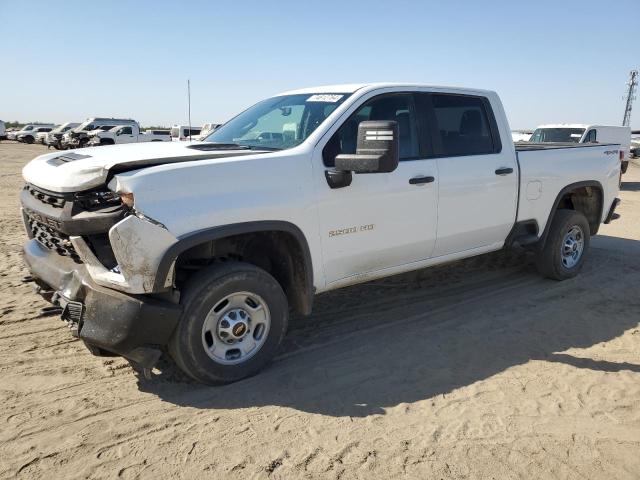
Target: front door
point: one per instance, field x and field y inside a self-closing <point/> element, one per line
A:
<point x="382" y="220"/>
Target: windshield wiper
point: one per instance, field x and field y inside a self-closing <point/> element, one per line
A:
<point x="258" y="147"/>
<point x="218" y="146"/>
<point x="229" y="146"/>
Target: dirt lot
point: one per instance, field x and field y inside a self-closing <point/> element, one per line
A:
<point x="480" y="369"/>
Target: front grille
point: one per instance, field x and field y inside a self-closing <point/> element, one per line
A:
<point x="49" y="199"/>
<point x="52" y="239"/>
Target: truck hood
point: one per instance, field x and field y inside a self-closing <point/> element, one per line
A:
<point x="87" y="168"/>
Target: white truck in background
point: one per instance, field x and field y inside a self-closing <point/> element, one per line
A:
<point x="207" y="129"/>
<point x="521" y="135"/>
<point x="79" y="136"/>
<point x="54" y="137"/>
<point x="585" y="133"/>
<point x="181" y="133"/>
<point x="28" y="133"/>
<point x="200" y="249"/>
<point x="127" y="134"/>
<point x="41" y="134"/>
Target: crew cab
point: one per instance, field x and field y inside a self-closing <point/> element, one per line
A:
<point x="201" y="249"/>
<point x="127" y="134"/>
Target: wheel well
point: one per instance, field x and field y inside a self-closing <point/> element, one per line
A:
<point x="277" y="252"/>
<point x="588" y="201"/>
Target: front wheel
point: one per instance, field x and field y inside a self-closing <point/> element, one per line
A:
<point x="566" y="247"/>
<point x="235" y="316"/>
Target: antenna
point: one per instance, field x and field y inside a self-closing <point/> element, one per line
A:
<point x="633" y="83"/>
<point x="189" y="102"/>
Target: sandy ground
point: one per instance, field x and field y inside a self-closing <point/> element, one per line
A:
<point x="480" y="369"/>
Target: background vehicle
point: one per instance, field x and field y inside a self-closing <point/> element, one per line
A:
<point x="29" y="132"/>
<point x="520" y="135"/>
<point x="203" y="248"/>
<point x="182" y="132"/>
<point x="41" y="135"/>
<point x="207" y="128"/>
<point x="3" y="132"/>
<point x="635" y="144"/>
<point x="79" y="136"/>
<point x="584" y="133"/>
<point x="54" y="137"/>
<point x="127" y="134"/>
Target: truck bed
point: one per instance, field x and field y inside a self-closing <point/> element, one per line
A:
<point x="547" y="168"/>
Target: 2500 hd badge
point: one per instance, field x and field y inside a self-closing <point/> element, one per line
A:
<point x="346" y="231"/>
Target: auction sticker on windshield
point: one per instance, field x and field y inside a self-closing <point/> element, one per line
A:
<point x="324" y="98"/>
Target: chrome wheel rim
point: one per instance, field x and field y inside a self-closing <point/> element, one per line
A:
<point x="572" y="247"/>
<point x="236" y="328"/>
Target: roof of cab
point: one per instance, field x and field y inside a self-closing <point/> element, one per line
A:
<point x="352" y="87"/>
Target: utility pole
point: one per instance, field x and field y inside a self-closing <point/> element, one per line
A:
<point x="633" y="83"/>
<point x="189" y="102"/>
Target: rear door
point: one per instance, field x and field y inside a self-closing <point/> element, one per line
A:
<point x="478" y="176"/>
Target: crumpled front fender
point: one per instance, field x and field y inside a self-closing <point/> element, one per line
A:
<point x="138" y="245"/>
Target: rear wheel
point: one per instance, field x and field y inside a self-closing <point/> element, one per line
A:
<point x="566" y="247"/>
<point x="235" y="316"/>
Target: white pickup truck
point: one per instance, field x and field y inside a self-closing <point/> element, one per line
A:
<point x="127" y="134"/>
<point x="201" y="249"/>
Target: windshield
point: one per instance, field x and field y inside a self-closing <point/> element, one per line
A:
<point x="546" y="135"/>
<point x="278" y="122"/>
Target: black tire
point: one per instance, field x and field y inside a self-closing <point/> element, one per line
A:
<point x="28" y="139"/>
<point x="550" y="259"/>
<point x="204" y="291"/>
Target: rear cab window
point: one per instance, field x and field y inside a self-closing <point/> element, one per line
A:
<point x="463" y="125"/>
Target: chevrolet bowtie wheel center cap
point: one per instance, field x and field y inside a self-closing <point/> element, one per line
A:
<point x="234" y="325"/>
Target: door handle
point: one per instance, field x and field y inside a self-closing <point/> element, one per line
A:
<point x="421" y="180"/>
<point x="504" y="171"/>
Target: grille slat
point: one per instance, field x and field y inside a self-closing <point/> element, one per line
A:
<point x="53" y="239"/>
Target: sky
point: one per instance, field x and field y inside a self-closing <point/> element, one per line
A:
<point x="550" y="61"/>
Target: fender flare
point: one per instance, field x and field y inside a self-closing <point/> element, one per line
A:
<point x="562" y="193"/>
<point x="190" y="240"/>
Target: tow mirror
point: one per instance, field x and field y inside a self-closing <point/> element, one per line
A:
<point x="377" y="149"/>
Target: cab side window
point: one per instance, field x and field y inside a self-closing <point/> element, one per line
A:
<point x="396" y="107"/>
<point x="125" y="131"/>
<point x="463" y="125"/>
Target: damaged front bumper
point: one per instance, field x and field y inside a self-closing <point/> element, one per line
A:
<point x="134" y="326"/>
